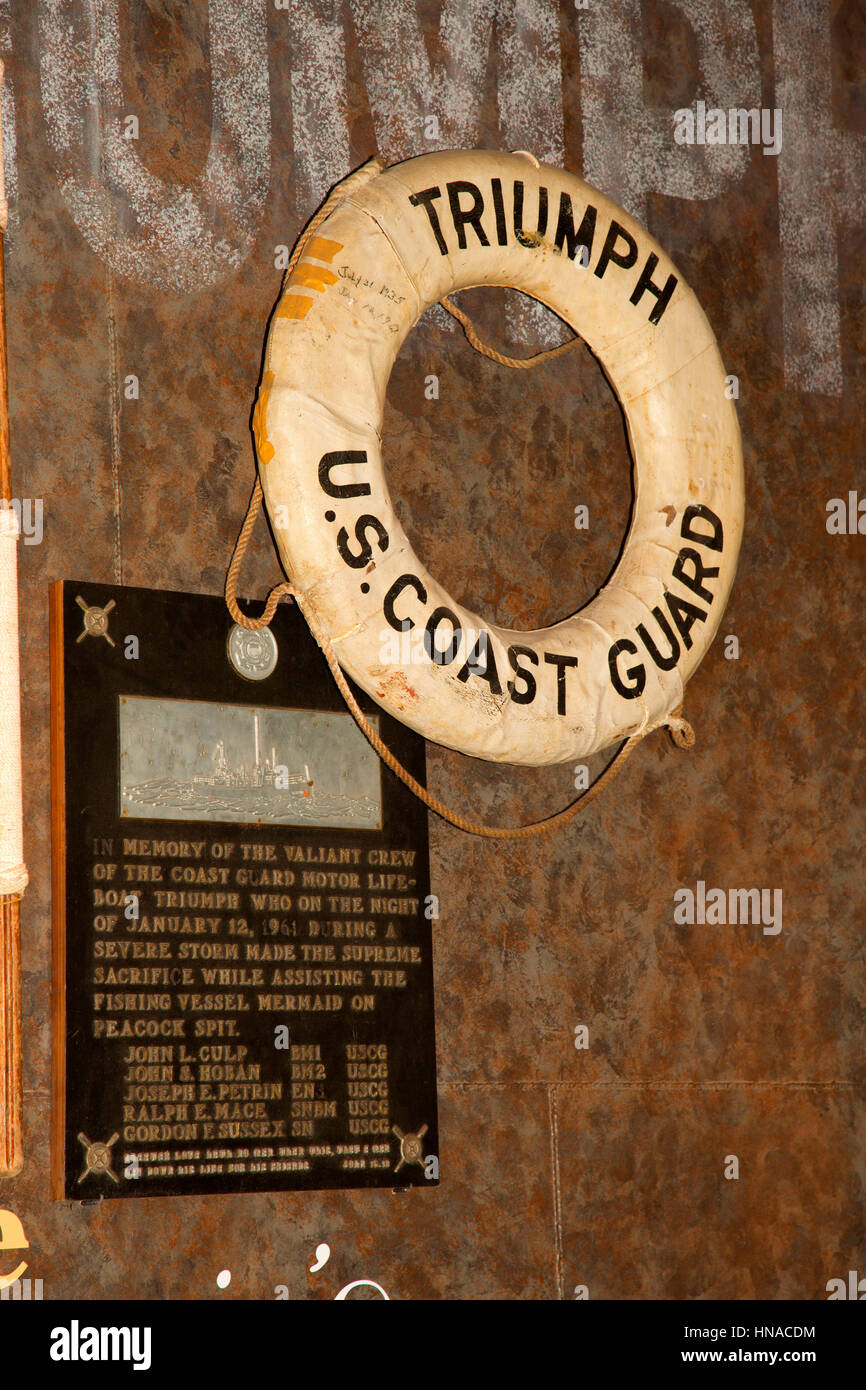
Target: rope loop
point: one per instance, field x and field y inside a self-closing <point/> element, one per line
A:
<point x="277" y="593"/>
<point x="680" y="729"/>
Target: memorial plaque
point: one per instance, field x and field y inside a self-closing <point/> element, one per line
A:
<point x="243" y="984"/>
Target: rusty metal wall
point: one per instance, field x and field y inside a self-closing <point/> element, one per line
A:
<point x="600" y="1169"/>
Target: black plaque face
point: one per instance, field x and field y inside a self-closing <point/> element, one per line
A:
<point x="243" y="958"/>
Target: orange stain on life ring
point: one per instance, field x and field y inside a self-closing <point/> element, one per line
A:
<point x="264" y="447"/>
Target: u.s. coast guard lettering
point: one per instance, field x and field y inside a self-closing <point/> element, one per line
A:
<point x="408" y="237"/>
<point x="405" y="606"/>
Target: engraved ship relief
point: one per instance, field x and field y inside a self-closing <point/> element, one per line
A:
<point x="263" y="789"/>
<point x="269" y="775"/>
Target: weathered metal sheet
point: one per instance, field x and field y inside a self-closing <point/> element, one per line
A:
<point x="704" y="1039"/>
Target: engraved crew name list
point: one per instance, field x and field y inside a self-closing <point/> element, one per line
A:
<point x="177" y="963"/>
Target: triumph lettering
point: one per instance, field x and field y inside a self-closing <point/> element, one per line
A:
<point x="465" y="204"/>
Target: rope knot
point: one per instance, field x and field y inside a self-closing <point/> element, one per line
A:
<point x="680" y="729"/>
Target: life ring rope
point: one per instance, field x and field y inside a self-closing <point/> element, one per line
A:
<point x="519" y="363"/>
<point x="679" y="728"/>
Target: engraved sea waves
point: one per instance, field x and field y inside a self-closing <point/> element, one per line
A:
<point x="265" y="803"/>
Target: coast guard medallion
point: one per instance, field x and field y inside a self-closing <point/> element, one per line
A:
<point x="252" y="653"/>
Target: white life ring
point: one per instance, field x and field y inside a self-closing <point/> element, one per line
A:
<point x="399" y="243"/>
